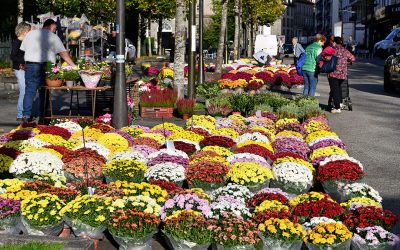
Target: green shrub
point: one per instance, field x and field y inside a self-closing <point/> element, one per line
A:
<point x="264" y="108"/>
<point x="208" y="90"/>
<point x="242" y="103"/>
<point x="310" y="110"/>
<point x="290" y="110"/>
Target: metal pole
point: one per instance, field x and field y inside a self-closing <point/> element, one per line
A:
<point x="192" y="48"/>
<point x="226" y="43"/>
<point x="120" y="115"/>
<point x="201" y="59"/>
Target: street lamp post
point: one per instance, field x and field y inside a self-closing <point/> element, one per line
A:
<point x="192" y="48"/>
<point x="201" y="28"/>
<point x="120" y="115"/>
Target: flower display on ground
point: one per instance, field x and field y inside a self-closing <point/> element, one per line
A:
<point x="281" y="229"/>
<point x="206" y="174"/>
<point x="190" y="226"/>
<point x="228" y="204"/>
<point x="9" y="208"/>
<point x="42" y="209"/>
<point x="187" y="201"/>
<point x="234" y="231"/>
<point x="134" y="189"/>
<point x="139" y="203"/>
<point x="368" y="216"/>
<point x="360" y="190"/>
<point x="166" y="171"/>
<point x="374" y="236"/>
<point x="125" y="170"/>
<point x="91" y="210"/>
<point x="35" y="163"/>
<point x="328" y="234"/>
<point x="249" y="173"/>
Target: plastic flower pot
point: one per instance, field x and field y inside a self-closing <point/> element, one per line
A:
<point x="69" y="83"/>
<point x="81" y="229"/>
<point x="258" y="186"/>
<point x="334" y="188"/>
<point x="127" y="243"/>
<point x="184" y="244"/>
<point x="364" y="246"/>
<point x="48" y="230"/>
<point x="338" y="246"/>
<point x="275" y="244"/>
<point x="10" y="225"/>
<point x="243" y="247"/>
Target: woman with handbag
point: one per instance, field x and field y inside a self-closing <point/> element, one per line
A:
<point x="337" y="77"/>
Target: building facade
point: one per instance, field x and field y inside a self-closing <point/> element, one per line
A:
<point x="327" y="15"/>
<point x="379" y="17"/>
<point x="296" y="21"/>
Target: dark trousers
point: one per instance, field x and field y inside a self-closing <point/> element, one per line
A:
<point x="335" y="92"/>
<point x="34" y="79"/>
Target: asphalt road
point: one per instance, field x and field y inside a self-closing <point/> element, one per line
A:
<point x="371" y="131"/>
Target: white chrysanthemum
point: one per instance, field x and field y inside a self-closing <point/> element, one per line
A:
<point x="128" y="155"/>
<point x="293" y="173"/>
<point x="255" y="157"/>
<point x="37" y="143"/>
<point x="172" y="152"/>
<point x="237" y="191"/>
<point x="256" y="136"/>
<point x="100" y="149"/>
<point x="166" y="171"/>
<point x="316" y="220"/>
<point x="361" y="190"/>
<point x="72" y="127"/>
<point x="36" y="163"/>
<point x="226" y="204"/>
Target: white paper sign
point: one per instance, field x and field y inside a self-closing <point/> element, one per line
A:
<point x="170" y="145"/>
<point x="258" y="114"/>
<point x="193" y="38"/>
<point x="91" y="190"/>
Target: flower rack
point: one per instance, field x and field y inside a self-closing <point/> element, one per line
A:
<point x="155" y="112"/>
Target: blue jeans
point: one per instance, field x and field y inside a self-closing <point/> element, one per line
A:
<point x="34" y="79"/>
<point x="310" y="83"/>
<point x="20" y="74"/>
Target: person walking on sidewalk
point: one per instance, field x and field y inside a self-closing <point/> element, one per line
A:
<point x="40" y="46"/>
<point x="297" y="49"/>
<point x="337" y="77"/>
<point x="310" y="66"/>
<point x="18" y="64"/>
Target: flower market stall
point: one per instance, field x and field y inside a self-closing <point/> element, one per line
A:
<point x="280" y="179"/>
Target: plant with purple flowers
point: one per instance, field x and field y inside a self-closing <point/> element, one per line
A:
<point x="188" y="201"/>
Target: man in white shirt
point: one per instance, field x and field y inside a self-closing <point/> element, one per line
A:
<point x="40" y="46"/>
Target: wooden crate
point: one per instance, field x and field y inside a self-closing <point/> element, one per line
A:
<point x="154" y="112"/>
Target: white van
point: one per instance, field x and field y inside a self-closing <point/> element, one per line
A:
<point x="267" y="43"/>
<point x="390" y="45"/>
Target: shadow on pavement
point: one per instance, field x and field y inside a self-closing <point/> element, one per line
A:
<point x="376" y="89"/>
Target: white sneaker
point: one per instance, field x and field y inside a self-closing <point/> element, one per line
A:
<point x="341" y="106"/>
<point x="317" y="94"/>
<point x="335" y="111"/>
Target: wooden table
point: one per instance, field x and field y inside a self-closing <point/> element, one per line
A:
<point x="93" y="91"/>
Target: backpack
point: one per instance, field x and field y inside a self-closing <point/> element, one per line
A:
<point x="328" y="66"/>
<point x="300" y="63"/>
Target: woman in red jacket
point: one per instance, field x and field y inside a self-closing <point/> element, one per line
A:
<point x="337" y="77"/>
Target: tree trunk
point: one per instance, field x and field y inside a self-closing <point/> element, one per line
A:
<point x="237" y="31"/>
<point x="20" y="11"/>
<point x="179" y="54"/>
<point x="159" y="39"/>
<point x="139" y="40"/>
<point x="251" y="36"/>
<point x="149" y="36"/>
<point x="221" y="44"/>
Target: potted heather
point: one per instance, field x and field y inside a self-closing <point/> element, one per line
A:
<point x="185" y="107"/>
<point x="157" y="103"/>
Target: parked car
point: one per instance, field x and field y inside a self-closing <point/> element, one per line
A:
<point x="391" y="79"/>
<point x="388" y="46"/>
